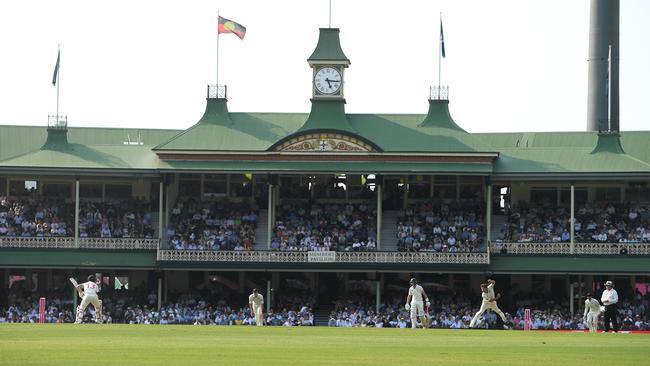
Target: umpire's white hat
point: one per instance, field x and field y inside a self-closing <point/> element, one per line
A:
<point x="609" y="283"/>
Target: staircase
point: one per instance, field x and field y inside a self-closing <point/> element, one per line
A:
<point x="322" y="315"/>
<point x="261" y="239"/>
<point x="388" y="231"/>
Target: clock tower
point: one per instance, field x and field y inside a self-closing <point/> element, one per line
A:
<point x="328" y="63"/>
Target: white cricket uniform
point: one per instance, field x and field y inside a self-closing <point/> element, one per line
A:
<point x="258" y="302"/>
<point x="486" y="304"/>
<point x="592" y="310"/>
<point x="90" y="297"/>
<point x="417" y="303"/>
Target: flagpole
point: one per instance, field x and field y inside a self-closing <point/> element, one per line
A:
<point x="217" y="50"/>
<point x="609" y="89"/>
<point x="58" y="84"/>
<point x="439" y="57"/>
<point x="330" y="15"/>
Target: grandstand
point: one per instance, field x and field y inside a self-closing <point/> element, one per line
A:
<point x="317" y="207"/>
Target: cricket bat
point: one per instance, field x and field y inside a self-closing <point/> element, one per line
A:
<point x="75" y="284"/>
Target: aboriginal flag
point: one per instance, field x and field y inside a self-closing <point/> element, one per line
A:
<point x="228" y="26"/>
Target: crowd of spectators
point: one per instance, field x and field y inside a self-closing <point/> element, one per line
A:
<point x="595" y="222"/>
<point x="115" y="219"/>
<point x="325" y="227"/>
<point x="441" y="227"/>
<point x="36" y="217"/>
<point x="133" y="310"/>
<point x="456" y="313"/>
<point x="215" y="225"/>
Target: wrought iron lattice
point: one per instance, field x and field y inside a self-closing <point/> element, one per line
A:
<point x="302" y="257"/>
<point x="565" y="248"/>
<point x="439" y="92"/>
<point x="57" y="122"/>
<point x="84" y="243"/>
<point x="217" y="91"/>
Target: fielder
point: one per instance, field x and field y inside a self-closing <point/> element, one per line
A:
<point x="592" y="311"/>
<point x="256" y="302"/>
<point x="88" y="293"/>
<point x="415" y="302"/>
<point x="489" y="302"/>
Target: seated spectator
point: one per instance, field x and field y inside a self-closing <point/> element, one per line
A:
<point x="211" y="225"/>
<point x="440" y="227"/>
<point x="316" y="227"/>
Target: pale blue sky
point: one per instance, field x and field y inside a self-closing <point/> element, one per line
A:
<point x="511" y="65"/>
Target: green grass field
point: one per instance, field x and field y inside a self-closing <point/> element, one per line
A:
<point x="89" y="344"/>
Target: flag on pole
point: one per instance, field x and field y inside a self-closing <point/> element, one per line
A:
<point x="228" y="26"/>
<point x="442" y="40"/>
<point x="56" y="68"/>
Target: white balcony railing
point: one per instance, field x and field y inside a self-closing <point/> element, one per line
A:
<point x="303" y="257"/>
<point x="84" y="243"/>
<point x="565" y="248"/>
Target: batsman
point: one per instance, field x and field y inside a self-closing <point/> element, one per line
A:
<point x="88" y="293"/>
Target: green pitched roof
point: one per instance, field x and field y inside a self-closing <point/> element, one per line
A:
<point x="564" y="153"/>
<point x="329" y="47"/>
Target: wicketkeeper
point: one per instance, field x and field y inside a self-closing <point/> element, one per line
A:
<point x="88" y="293"/>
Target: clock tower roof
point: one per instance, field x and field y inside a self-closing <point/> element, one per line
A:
<point x="328" y="49"/>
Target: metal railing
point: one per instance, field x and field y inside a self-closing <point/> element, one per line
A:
<point x="84" y="243"/>
<point x="217" y="91"/>
<point x="565" y="248"/>
<point x="439" y="92"/>
<point x="57" y="122"/>
<point x="303" y="257"/>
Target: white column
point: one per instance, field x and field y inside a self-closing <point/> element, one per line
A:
<point x="377" y="296"/>
<point x="159" y="292"/>
<point x="161" y="195"/>
<point x="488" y="216"/>
<point x="572" y="223"/>
<point x="270" y="216"/>
<point x="379" y="214"/>
<point x="571" y="295"/>
<point x="268" y="296"/>
<point x="76" y="214"/>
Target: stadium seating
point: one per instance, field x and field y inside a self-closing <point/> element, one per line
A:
<point x="317" y="227"/>
<point x="198" y="225"/>
<point x="440" y="227"/>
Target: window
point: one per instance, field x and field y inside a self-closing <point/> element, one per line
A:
<point x="22" y="187"/>
<point x="639" y="194"/>
<point x="3" y="186"/>
<point x="240" y="185"/>
<point x="189" y="188"/>
<point x="608" y="194"/>
<point x="544" y="196"/>
<point x="580" y="196"/>
<point x="119" y="191"/>
<point x="57" y="190"/>
<point x="90" y="190"/>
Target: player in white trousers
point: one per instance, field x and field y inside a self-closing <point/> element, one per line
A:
<point x="88" y="292"/>
<point x="592" y="311"/>
<point x="415" y="302"/>
<point x="489" y="302"/>
<point x="256" y="302"/>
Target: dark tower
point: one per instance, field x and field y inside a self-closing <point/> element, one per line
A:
<point x="603" y="32"/>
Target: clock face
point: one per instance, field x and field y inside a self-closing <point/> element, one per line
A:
<point x="327" y="80"/>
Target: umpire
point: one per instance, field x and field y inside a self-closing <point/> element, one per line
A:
<point x="610" y="299"/>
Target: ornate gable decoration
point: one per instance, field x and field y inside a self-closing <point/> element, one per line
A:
<point x="324" y="142"/>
